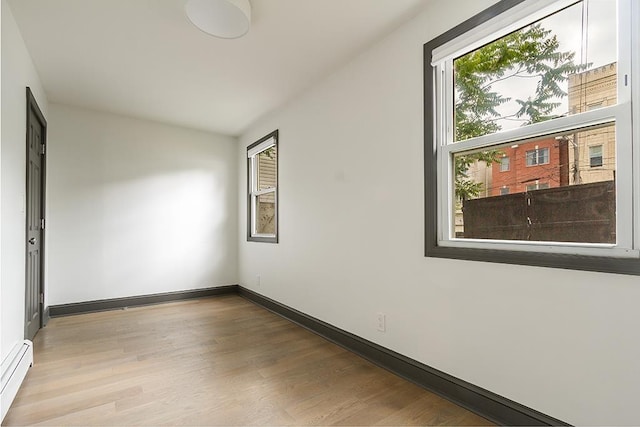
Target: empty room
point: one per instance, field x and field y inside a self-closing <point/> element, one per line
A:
<point x="320" y="212"/>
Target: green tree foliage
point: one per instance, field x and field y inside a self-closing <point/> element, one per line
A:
<point x="467" y="188"/>
<point x="530" y="53"/>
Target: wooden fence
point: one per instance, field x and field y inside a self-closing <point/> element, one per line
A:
<point x="578" y="213"/>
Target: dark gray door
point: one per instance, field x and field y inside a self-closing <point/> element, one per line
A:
<point x="36" y="135"/>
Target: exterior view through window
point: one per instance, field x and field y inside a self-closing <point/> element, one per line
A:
<point x="262" y="163"/>
<point x="552" y="68"/>
<point x="531" y="129"/>
<point x="557" y="67"/>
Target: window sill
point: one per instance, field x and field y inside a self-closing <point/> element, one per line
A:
<point x="602" y="264"/>
<point x="263" y="239"/>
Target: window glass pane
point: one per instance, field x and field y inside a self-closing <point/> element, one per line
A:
<point x="537" y="186"/>
<point x="266" y="214"/>
<point x="531" y="158"/>
<point x="537" y="156"/>
<point x="571" y="203"/>
<point x="267" y="168"/>
<point x="504" y="164"/>
<point x="595" y="156"/>
<point x="563" y="64"/>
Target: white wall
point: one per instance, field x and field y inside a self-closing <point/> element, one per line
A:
<point x="18" y="72"/>
<point x="137" y="207"/>
<point x="352" y="243"/>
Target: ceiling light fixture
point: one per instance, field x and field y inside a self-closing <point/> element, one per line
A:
<point x="227" y="19"/>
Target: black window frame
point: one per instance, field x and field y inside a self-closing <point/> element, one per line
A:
<point x="608" y="264"/>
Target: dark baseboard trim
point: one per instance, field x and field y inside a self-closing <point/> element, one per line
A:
<point x="46" y="316"/>
<point x="489" y="405"/>
<point x="119" y="303"/>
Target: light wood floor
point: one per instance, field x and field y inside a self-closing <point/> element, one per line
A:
<point x="215" y="361"/>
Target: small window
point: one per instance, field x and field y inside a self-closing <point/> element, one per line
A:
<point x="537" y="186"/>
<point x="504" y="164"/>
<point x="539" y="156"/>
<point x="504" y="191"/>
<point x="597" y="104"/>
<point x="262" y="204"/>
<point x="595" y="156"/>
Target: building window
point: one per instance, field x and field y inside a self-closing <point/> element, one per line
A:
<point x="537" y="186"/>
<point x="595" y="156"/>
<point x="262" y="203"/>
<point x="538" y="156"/>
<point x="598" y="104"/>
<point x="510" y="83"/>
<point x="504" y="164"/>
<point x="504" y="191"/>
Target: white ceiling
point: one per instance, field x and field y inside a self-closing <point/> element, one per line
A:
<point x="143" y="58"/>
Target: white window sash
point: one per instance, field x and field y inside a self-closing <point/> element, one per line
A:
<point x="253" y="215"/>
<point x="586" y="249"/>
<point x="254" y="179"/>
<point x="626" y="142"/>
<point x="264" y="191"/>
<point x="550" y="127"/>
<point x="252" y="167"/>
<point x="271" y="142"/>
<point x="633" y="12"/>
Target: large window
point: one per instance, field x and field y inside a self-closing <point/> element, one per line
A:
<point x="519" y="82"/>
<point x="262" y="204"/>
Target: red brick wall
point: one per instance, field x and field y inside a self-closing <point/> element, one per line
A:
<point x="520" y="175"/>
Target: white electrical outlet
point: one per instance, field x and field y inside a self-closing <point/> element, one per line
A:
<point x="258" y="280"/>
<point x="382" y="322"/>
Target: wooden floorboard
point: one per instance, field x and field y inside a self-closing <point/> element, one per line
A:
<point x="213" y="361"/>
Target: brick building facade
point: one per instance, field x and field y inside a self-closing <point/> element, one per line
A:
<point x="530" y="166"/>
<point x="578" y="158"/>
<point x="593" y="153"/>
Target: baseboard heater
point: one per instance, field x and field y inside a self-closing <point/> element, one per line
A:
<point x="14" y="370"/>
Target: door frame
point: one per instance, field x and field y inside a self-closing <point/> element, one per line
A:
<point x="32" y="106"/>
